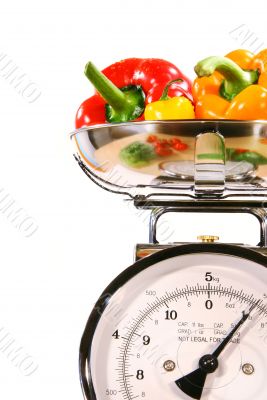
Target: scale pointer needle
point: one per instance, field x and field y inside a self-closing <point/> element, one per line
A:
<point x="193" y="383"/>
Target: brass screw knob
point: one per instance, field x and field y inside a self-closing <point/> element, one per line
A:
<point x="208" y="238"/>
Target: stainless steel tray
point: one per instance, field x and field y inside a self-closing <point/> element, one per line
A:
<point x="223" y="159"/>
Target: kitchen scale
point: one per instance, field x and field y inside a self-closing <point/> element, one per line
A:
<point x="186" y="320"/>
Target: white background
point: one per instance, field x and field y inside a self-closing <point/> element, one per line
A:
<point x="50" y="281"/>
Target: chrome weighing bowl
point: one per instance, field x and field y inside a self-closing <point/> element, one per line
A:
<point x="234" y="152"/>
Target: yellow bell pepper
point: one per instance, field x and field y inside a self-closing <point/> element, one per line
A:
<point x="170" y="108"/>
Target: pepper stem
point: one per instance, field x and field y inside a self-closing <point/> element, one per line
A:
<point x="236" y="79"/>
<point x="110" y="93"/>
<point x="164" y="95"/>
<point x="124" y="104"/>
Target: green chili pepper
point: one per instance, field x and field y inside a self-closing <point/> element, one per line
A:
<point x="245" y="155"/>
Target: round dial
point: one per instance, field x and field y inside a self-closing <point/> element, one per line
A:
<point x="190" y="322"/>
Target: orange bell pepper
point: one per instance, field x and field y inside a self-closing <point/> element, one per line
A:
<point x="232" y="87"/>
<point x="260" y="62"/>
<point x="242" y="57"/>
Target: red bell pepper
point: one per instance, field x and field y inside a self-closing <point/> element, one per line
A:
<point x="124" y="88"/>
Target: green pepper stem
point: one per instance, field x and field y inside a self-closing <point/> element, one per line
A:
<point x="110" y="93"/>
<point x="164" y="95"/>
<point x="236" y="79"/>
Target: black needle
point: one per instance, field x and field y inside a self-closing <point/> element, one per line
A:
<point x="193" y="383"/>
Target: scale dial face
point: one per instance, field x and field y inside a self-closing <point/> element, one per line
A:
<point x="149" y="332"/>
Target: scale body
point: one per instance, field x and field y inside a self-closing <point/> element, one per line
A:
<point x="186" y="320"/>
